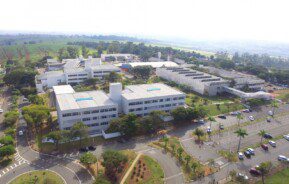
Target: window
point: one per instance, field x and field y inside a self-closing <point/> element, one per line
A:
<point x="72" y="75"/>
<point x="175" y="98"/>
<point x="168" y="105"/>
<point x="103" y="117"/>
<point x="181" y="98"/>
<point x="131" y="110"/>
<point x="155" y="101"/>
<point x="104" y="123"/>
<point x="145" y="108"/>
<point x="86" y="112"/>
<point x="138" y="109"/>
<point x="161" y="100"/>
<point x="75" y="114"/>
<point x="147" y="102"/>
<point x="161" y="106"/>
<point x="114" y="115"/>
<point x="168" y="99"/>
<point x="66" y="114"/>
<point x="95" y="118"/>
<point x="112" y="109"/>
<point x="82" y="74"/>
<point x="95" y="111"/>
<point x="174" y="104"/>
<point x="86" y="119"/>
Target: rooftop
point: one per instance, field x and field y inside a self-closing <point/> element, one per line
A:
<point x="154" y="64"/>
<point x="80" y="100"/>
<point x="50" y="74"/>
<point x="63" y="89"/>
<point x="148" y="91"/>
<point x="104" y="67"/>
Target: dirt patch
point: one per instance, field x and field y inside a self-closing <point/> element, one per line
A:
<point x="140" y="172"/>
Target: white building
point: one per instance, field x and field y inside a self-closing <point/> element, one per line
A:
<point x="118" y="57"/>
<point x="200" y="82"/>
<point x="157" y="64"/>
<point x="74" y="71"/>
<point x="96" y="109"/>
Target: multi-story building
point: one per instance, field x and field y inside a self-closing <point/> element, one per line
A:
<point x="74" y="71"/>
<point x="118" y="57"/>
<point x="200" y="82"/>
<point x="96" y="108"/>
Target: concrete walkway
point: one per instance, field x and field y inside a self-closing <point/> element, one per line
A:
<point x="130" y="168"/>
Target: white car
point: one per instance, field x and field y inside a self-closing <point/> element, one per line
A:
<point x="251" y="118"/>
<point x="240" y="155"/>
<point x="201" y="121"/>
<point x="251" y="150"/>
<point x="209" y="130"/>
<point x="20" y="132"/>
<point x="48" y="140"/>
<point x="282" y="158"/>
<point x="243" y="176"/>
<point x="235" y="113"/>
<point x="1" y="110"/>
<point x="270" y="113"/>
<point x="286" y="137"/>
<point x="273" y="143"/>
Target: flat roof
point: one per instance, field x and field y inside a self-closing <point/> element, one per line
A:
<point x="82" y="100"/>
<point x="63" y="89"/>
<point x="50" y="74"/>
<point x="104" y="67"/>
<point x="141" y="91"/>
<point x="154" y="64"/>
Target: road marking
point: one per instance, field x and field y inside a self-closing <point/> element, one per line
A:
<point x="176" y="175"/>
<point x="71" y="171"/>
<point x="64" y="155"/>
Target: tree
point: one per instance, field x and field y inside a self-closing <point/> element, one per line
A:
<point x="10" y="118"/>
<point x="180" y="151"/>
<point x="20" y="77"/>
<point x="6" y="151"/>
<point x="84" y="51"/>
<point x="35" y="99"/>
<point x="239" y="117"/>
<point x="113" y="161"/>
<point x="36" y="115"/>
<point x="274" y="105"/>
<point x="57" y="136"/>
<point x="241" y="133"/>
<point x="166" y="140"/>
<point x="79" y="130"/>
<point x="72" y="52"/>
<point x="7" y="140"/>
<point x="199" y="133"/>
<point x="88" y="159"/>
<point x="113" y="77"/>
<point x="262" y="134"/>
<point x="187" y="159"/>
<point x="264" y="169"/>
<point x="142" y="72"/>
<point x="91" y="82"/>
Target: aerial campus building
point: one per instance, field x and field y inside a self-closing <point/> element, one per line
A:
<point x="72" y="71"/>
<point x="96" y="108"/>
<point x="200" y="82"/>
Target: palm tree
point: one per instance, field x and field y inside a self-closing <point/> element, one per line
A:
<point x="274" y="105"/>
<point x="239" y="117"/>
<point x="187" y="159"/>
<point x="241" y="133"/>
<point x="261" y="134"/>
<point x="166" y="140"/>
<point x="264" y="168"/>
<point x="180" y="152"/>
<point x="199" y="133"/>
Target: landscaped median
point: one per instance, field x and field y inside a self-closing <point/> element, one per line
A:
<point x="38" y="177"/>
<point x="191" y="167"/>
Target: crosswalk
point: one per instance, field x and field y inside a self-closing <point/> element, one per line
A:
<point x="18" y="160"/>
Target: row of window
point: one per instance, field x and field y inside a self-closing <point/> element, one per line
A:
<point x="88" y="112"/>
<point x="76" y="79"/>
<point x="156" y="107"/>
<point x="100" y="117"/>
<point x="97" y="124"/>
<point x="75" y="75"/>
<point x="156" y="101"/>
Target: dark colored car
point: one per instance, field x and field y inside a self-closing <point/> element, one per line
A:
<point x="85" y="149"/>
<point x="268" y="136"/>
<point x="254" y="171"/>
<point x="222" y="117"/>
<point x="265" y="147"/>
<point x="247" y="154"/>
<point x="92" y="148"/>
<point x="221" y="127"/>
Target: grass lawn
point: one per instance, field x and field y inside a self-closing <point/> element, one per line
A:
<point x="281" y="177"/>
<point x="38" y="177"/>
<point x="147" y="171"/>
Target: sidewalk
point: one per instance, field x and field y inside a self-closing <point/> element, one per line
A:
<point x="130" y="169"/>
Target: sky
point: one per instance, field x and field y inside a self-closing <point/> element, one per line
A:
<point x="265" y="20"/>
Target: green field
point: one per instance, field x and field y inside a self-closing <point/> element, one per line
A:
<point x="281" y="177"/>
<point x="38" y="177"/>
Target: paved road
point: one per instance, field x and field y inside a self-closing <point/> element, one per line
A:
<point x="72" y="172"/>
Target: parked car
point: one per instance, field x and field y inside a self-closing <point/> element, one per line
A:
<point x="92" y="148"/>
<point x="201" y="121"/>
<point x="246" y="110"/>
<point x="241" y="156"/>
<point x="20" y="132"/>
<point x="282" y="158"/>
<point x="222" y="117"/>
<point x="235" y="113"/>
<point x="270" y="113"/>
<point x="25" y="100"/>
<point x="268" y="119"/>
<point x="1" y="110"/>
<point x="221" y="127"/>
<point x="1" y="145"/>
<point x="48" y="140"/>
<point x="242" y="176"/>
<point x="268" y="136"/>
<point x="247" y="154"/>
<point x="251" y="118"/>
<point x="85" y="149"/>
<point x="254" y="171"/>
<point x="209" y="130"/>
<point x="265" y="147"/>
<point x="273" y="143"/>
<point x="251" y="151"/>
<point x="286" y="137"/>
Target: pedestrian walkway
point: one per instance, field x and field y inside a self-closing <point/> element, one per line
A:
<point x="130" y="169"/>
<point x="18" y="161"/>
